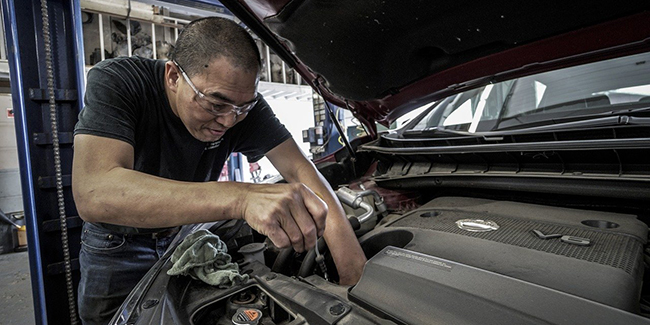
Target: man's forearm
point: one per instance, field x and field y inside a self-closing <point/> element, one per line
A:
<point x="127" y="197"/>
<point x="107" y="189"/>
<point x="289" y="214"/>
<point x="345" y="248"/>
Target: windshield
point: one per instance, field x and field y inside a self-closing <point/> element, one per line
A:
<point x="591" y="89"/>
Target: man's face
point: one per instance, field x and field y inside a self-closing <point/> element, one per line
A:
<point x="220" y="82"/>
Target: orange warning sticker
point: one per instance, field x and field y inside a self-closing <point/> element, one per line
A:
<point x="252" y="314"/>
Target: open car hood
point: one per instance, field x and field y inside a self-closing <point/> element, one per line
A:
<point x="382" y="59"/>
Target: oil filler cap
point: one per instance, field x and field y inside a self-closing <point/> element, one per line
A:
<point x="247" y="316"/>
<point x="477" y="225"/>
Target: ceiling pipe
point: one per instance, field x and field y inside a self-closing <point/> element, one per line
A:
<point x="139" y="11"/>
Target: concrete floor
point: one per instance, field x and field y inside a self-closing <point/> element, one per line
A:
<point x="16" y="304"/>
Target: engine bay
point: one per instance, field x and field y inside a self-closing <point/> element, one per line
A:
<point x="449" y="259"/>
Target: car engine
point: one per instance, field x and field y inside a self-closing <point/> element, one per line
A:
<point x="432" y="259"/>
<point x="452" y="259"/>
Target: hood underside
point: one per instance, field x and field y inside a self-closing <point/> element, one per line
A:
<point x="388" y="57"/>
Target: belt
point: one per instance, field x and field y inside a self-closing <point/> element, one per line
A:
<point x="154" y="233"/>
<point x="161" y="234"/>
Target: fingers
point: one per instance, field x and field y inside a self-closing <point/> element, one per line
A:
<point x="294" y="233"/>
<point x="277" y="236"/>
<point x="286" y="232"/>
<point x="289" y="215"/>
<point x="316" y="208"/>
<point x="307" y="227"/>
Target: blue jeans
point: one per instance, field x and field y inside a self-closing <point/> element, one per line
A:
<point x="111" y="265"/>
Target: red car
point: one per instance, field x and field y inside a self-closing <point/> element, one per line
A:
<point x="520" y="195"/>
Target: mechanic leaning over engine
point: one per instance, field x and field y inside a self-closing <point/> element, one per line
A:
<point x="150" y="144"/>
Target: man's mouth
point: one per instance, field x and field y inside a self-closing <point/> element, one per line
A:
<point x="216" y="133"/>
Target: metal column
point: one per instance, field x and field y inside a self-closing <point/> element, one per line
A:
<point x="236" y="167"/>
<point x="24" y="30"/>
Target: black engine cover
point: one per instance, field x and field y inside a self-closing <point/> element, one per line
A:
<point x="608" y="270"/>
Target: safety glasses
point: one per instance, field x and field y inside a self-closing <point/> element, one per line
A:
<point x="213" y="105"/>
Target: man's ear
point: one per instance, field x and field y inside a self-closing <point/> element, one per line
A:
<point x="172" y="76"/>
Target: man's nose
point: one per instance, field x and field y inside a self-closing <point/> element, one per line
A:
<point x="227" y="120"/>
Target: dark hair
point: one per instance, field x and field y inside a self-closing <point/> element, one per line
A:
<point x="205" y="39"/>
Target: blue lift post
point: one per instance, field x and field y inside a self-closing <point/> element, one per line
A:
<point x="236" y="167"/>
<point x="29" y="88"/>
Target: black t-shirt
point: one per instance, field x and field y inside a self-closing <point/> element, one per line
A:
<point x="126" y="100"/>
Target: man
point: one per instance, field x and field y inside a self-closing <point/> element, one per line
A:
<point x="152" y="140"/>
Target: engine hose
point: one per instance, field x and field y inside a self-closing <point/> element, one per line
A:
<point x="280" y="264"/>
<point x="310" y="259"/>
<point x="47" y="41"/>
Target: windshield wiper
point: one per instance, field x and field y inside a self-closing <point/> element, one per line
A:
<point x="559" y="112"/>
<point x="589" y="123"/>
<point x="542" y="120"/>
<point x="433" y="131"/>
<point x="573" y="125"/>
<point x="619" y="117"/>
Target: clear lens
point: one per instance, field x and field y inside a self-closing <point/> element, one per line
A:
<point x="219" y="108"/>
<point x="215" y="106"/>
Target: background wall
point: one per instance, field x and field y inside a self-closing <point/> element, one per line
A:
<point x="296" y="115"/>
<point x="10" y="192"/>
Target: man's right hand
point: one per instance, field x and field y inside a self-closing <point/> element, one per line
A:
<point x="288" y="214"/>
